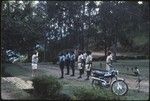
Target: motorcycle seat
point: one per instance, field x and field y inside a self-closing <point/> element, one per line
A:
<point x="102" y="73"/>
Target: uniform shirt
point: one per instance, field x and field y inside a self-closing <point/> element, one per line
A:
<point x="84" y="56"/>
<point x="61" y="58"/>
<point x="109" y="62"/>
<point x="72" y="57"/>
<point x="89" y="59"/>
<point x="109" y="59"/>
<point x="67" y="56"/>
<point x="88" y="65"/>
<point x="35" y="58"/>
<point x="80" y="57"/>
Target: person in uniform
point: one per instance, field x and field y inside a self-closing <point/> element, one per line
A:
<point x="109" y="60"/>
<point x="84" y="60"/>
<point x="34" y="62"/>
<point x="67" y="62"/>
<point x="88" y="65"/>
<point x="72" y="62"/>
<point x="62" y="64"/>
<point x="80" y="64"/>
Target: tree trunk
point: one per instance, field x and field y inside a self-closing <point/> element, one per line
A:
<point x="105" y="49"/>
<point x="44" y="48"/>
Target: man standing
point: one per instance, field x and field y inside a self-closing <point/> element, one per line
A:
<point x="109" y="60"/>
<point x="84" y="60"/>
<point x="80" y="64"/>
<point x="67" y="60"/>
<point x="62" y="64"/>
<point x="88" y="64"/>
<point x="72" y="62"/>
<point x="34" y="62"/>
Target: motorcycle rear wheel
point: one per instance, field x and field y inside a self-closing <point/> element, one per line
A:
<point x="119" y="87"/>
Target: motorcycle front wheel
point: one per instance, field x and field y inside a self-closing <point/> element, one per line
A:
<point x="119" y="87"/>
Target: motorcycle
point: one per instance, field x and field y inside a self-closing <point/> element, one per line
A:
<point x="104" y="78"/>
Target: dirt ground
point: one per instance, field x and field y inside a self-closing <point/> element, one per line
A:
<point x="55" y="71"/>
<point x="129" y="80"/>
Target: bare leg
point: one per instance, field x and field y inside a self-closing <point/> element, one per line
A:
<point x="32" y="72"/>
<point x="80" y="73"/>
<point x="35" y="74"/>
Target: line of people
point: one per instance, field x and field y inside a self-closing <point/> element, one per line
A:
<point x="68" y="59"/>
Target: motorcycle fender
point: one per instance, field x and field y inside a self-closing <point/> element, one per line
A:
<point x="118" y="78"/>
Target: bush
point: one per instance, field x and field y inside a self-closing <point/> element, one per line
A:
<point x="82" y="93"/>
<point x="46" y="86"/>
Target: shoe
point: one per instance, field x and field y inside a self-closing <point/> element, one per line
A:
<point x="87" y="79"/>
<point x="72" y="75"/>
<point x="79" y="77"/>
<point x="61" y="77"/>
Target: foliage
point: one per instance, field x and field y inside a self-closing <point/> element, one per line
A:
<point x="83" y="93"/>
<point x="59" y="25"/>
<point x="46" y="86"/>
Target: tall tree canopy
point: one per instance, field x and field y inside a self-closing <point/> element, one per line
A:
<point x="58" y="25"/>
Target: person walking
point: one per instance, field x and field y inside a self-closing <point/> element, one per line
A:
<point x="34" y="62"/>
<point x="109" y="60"/>
<point x="88" y="64"/>
<point x="62" y="64"/>
<point x="72" y="62"/>
<point x="67" y="62"/>
<point x="84" y="60"/>
<point x="80" y="64"/>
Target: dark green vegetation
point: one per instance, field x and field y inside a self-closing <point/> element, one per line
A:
<point x="88" y="93"/>
<point x="45" y="86"/>
<point x="55" y="25"/>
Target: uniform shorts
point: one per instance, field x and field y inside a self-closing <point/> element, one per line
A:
<point x="88" y="67"/>
<point x="34" y="66"/>
<point x="79" y="65"/>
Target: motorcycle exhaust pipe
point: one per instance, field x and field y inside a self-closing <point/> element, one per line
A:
<point x="95" y="78"/>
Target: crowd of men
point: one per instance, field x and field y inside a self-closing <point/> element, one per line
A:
<point x="68" y="60"/>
